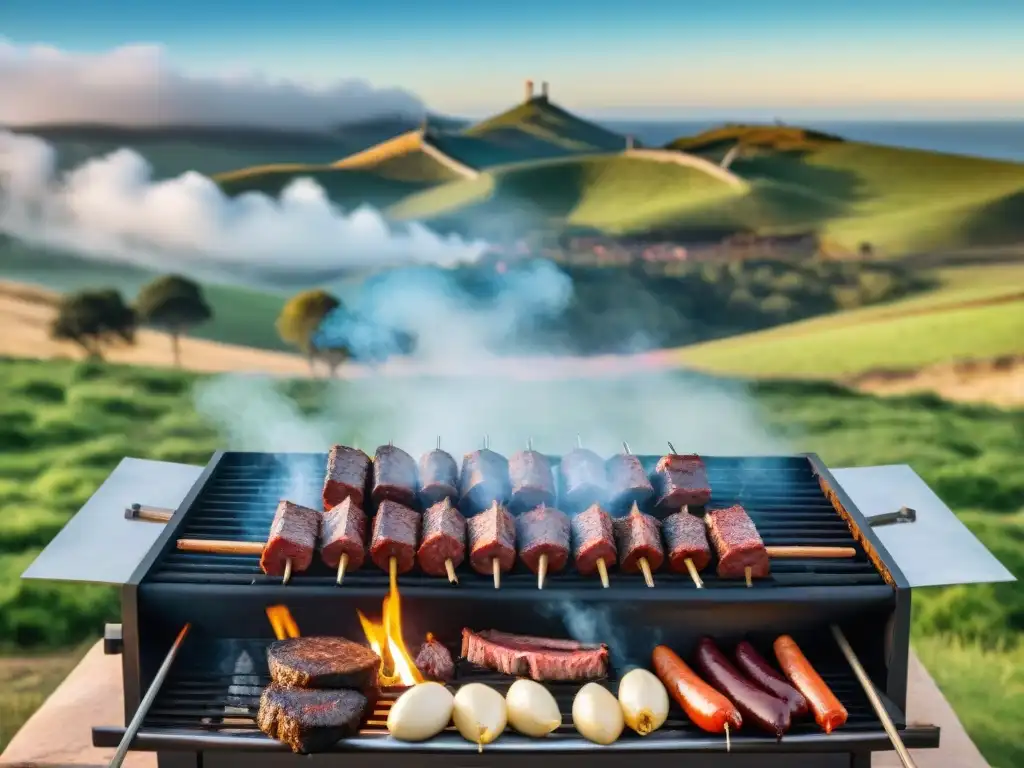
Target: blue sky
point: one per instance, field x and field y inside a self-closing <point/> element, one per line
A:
<point x="833" y="59"/>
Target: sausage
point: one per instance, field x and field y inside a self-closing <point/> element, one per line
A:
<point x="829" y="712"/>
<point x="767" y="712"/>
<point x="707" y="708"/>
<point x="754" y="666"/>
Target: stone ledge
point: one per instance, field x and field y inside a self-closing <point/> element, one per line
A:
<point x="60" y="733"/>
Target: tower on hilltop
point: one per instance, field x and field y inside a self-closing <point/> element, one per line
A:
<point x="529" y="90"/>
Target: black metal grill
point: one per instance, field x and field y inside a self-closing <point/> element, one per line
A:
<point x="783" y="495"/>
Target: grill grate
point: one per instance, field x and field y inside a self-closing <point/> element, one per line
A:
<point x="782" y="495"/>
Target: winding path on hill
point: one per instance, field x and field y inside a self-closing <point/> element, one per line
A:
<point x="690" y="161"/>
<point x="407" y="143"/>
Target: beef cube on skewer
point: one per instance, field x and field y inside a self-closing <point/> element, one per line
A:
<point x="484" y="480"/>
<point x="686" y="540"/>
<point x="394" y="476"/>
<point x="639" y="544"/>
<point x="438" y="477"/>
<point x="291" y="541"/>
<point x="443" y="540"/>
<point x="543" y="538"/>
<point x="343" y="538"/>
<point x="530" y="480"/>
<point x="628" y="483"/>
<point x="681" y="480"/>
<point x="348" y="470"/>
<point x="584" y="479"/>
<point x="741" y="552"/>
<point x="492" y="542"/>
<point x="395" y="530"/>
<point x="593" y="542"/>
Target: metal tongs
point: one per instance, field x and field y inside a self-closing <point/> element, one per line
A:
<point x="901" y="515"/>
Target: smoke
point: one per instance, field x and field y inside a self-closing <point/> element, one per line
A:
<point x="135" y="85"/>
<point x="111" y="209"/>
<point x="593" y="624"/>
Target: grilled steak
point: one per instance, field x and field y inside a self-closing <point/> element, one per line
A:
<point x="343" y="532"/>
<point x="543" y="531"/>
<point x="322" y="662"/>
<point x="530" y="480"/>
<point x="627" y="483"/>
<point x="686" y="539"/>
<point x="484" y="480"/>
<point x="439" y="478"/>
<point x="593" y="539"/>
<point x="395" y="530"/>
<point x="584" y="479"/>
<point x="637" y="536"/>
<point x="348" y="471"/>
<point x="310" y="720"/>
<point x="737" y="543"/>
<point x="492" y="535"/>
<point x="394" y="476"/>
<point x="681" y="481"/>
<point x="443" y="538"/>
<point x="293" y="535"/>
<point x="434" y="661"/>
<point x="535" y="657"/>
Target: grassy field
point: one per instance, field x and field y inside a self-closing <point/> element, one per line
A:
<point x="64" y="426"/>
<point x="974" y="313"/>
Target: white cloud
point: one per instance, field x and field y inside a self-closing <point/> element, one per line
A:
<point x="135" y="85"/>
<point x="110" y="208"/>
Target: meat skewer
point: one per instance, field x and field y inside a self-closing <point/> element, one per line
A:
<point x="686" y="540"/>
<point x="438" y="477"/>
<point x="584" y="479"/>
<point x="291" y="541"/>
<point x="531" y="482"/>
<point x="628" y="483"/>
<point x="442" y="541"/>
<point x="492" y="542"/>
<point x="394" y="476"/>
<point x="738" y="544"/>
<point x="343" y="537"/>
<point x="639" y="544"/>
<point x="483" y="481"/>
<point x="347" y="473"/>
<point x="543" y="537"/>
<point x="593" y="542"/>
<point x="681" y="480"/>
<point x="395" y="534"/>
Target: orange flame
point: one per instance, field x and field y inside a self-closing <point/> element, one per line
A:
<point x="282" y="622"/>
<point x="397" y="667"/>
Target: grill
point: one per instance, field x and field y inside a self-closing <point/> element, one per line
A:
<point x="204" y="713"/>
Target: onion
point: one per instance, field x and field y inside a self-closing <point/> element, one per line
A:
<point x="532" y="710"/>
<point x="644" y="701"/>
<point x="597" y="714"/>
<point x="479" y="713"/>
<point x="421" y="712"/>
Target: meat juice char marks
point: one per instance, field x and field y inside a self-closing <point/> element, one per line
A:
<point x="539" y="658"/>
<point x="593" y="542"/>
<point x="492" y="542"/>
<point x="438" y="477"/>
<point x="483" y="481"/>
<point x="395" y="534"/>
<point x="442" y="540"/>
<point x="681" y="480"/>
<point x="292" y="540"/>
<point x="741" y="552"/>
<point x="394" y="476"/>
<point x="638" y="537"/>
<point x="628" y="484"/>
<point x="531" y="482"/>
<point x="543" y="536"/>
<point x="343" y="538"/>
<point x="348" y="472"/>
<point x="686" y="541"/>
<point x="584" y="479"/>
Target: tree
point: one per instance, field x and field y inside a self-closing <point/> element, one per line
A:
<point x="93" y="319"/>
<point x="174" y="304"/>
<point x="300" y="319"/>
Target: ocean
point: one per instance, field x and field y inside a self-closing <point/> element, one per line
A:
<point x="998" y="140"/>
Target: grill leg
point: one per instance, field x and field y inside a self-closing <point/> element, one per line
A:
<point x="180" y="760"/>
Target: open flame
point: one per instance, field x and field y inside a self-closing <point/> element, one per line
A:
<point x="397" y="668"/>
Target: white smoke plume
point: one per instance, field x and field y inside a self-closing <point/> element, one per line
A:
<point x="136" y="85"/>
<point x="111" y="209"/>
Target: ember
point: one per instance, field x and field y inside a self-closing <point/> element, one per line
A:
<point x="397" y="669"/>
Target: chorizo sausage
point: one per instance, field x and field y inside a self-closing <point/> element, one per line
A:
<point x="767" y="712"/>
<point x="829" y="712"/>
<point x="756" y="667"/>
<point x="707" y="708"/>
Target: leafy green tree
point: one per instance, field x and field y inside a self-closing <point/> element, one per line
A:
<point x="174" y="304"/>
<point x="94" y="319"/>
<point x="300" y="319"/>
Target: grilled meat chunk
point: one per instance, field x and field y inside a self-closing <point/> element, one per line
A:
<point x="484" y="480"/>
<point x="439" y="478"/>
<point x="343" y="532"/>
<point x="310" y="720"/>
<point x="293" y="535"/>
<point x="737" y="543"/>
<point x="681" y="480"/>
<point x="686" y="539"/>
<point x="536" y="657"/>
<point x="322" y="662"/>
<point x="435" y="661"/>
<point x="543" y="531"/>
<point x="584" y="480"/>
<point x="348" y="471"/>
<point x="627" y="483"/>
<point x="394" y="476"/>
<point x="531" y="482"/>
<point x="492" y="535"/>
<point x="443" y="538"/>
<point x="395" y="531"/>
<point x="593" y="539"/>
<point x="637" y="536"/>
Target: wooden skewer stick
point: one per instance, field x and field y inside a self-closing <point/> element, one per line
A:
<point x="496" y="570"/>
<point x="698" y="582"/>
<point x="728" y="745"/>
<point x="673" y="449"/>
<point x="342" y="565"/>
<point x="287" y="571"/>
<point x="579" y="441"/>
<point x="625" y="447"/>
<point x="542" y="571"/>
<point x="487" y="442"/>
<point x="393" y="572"/>
<point x="602" y="570"/>
<point x="876" y="703"/>
<point x="748" y="574"/>
<point x="449" y="566"/>
<point x="646" y="568"/>
<point x="218" y="547"/>
<point x="529" y="444"/>
<point x="812" y="552"/>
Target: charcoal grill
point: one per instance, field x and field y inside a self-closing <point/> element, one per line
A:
<point x="205" y="712"/>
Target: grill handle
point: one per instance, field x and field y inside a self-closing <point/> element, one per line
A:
<point x="901" y="515"/>
<point x="148" y="514"/>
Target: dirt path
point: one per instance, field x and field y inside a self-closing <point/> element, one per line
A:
<point x="996" y="382"/>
